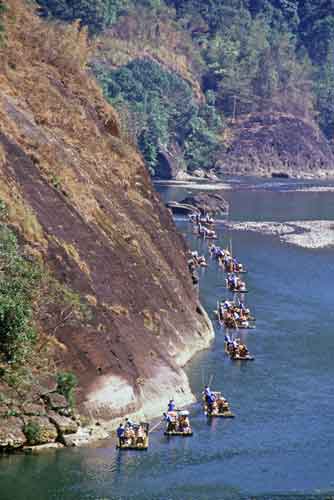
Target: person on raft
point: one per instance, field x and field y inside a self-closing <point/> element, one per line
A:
<point x="121" y="434"/>
<point x="184" y="423"/>
<point x="129" y="423"/>
<point x="171" y="421"/>
<point x="243" y="351"/>
<point x="140" y="435"/>
<point x="207" y="393"/>
<point x="171" y="405"/>
<point x="211" y="402"/>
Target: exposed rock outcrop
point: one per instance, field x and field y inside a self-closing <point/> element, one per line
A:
<point x="44" y="430"/>
<point x="11" y="433"/>
<point x="212" y="203"/>
<point x="56" y="401"/>
<point x="31" y="426"/>
<point x="265" y="143"/>
<point x="33" y="409"/>
<point x="64" y="425"/>
<point x="170" y="163"/>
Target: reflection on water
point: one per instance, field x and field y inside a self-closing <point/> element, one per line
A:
<point x="282" y="439"/>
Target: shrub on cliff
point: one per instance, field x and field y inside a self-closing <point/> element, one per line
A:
<point x="2" y="11"/>
<point x="19" y="281"/>
<point x="66" y="384"/>
<point x="32" y="431"/>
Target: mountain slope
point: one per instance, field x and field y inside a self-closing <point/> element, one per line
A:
<point x="96" y="222"/>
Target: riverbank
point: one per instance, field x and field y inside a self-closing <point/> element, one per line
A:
<point x="45" y="421"/>
<point x="307" y="234"/>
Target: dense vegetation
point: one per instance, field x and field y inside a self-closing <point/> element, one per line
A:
<point x="251" y="55"/>
<point x="162" y="109"/>
<point x="266" y="50"/>
<point x="2" y="11"/>
<point x="66" y="385"/>
<point x="19" y="281"/>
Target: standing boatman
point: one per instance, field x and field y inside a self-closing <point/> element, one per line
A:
<point x="121" y="434"/>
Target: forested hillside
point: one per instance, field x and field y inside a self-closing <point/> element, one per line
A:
<point x="230" y="60"/>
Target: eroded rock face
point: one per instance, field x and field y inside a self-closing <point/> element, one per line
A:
<point x="208" y="203"/>
<point x="266" y="143"/>
<point x="85" y="435"/>
<point x="32" y="423"/>
<point x="33" y="409"/>
<point x="64" y="425"/>
<point x="44" y="430"/>
<point x="56" y="401"/>
<point x="11" y="433"/>
<point x="170" y="164"/>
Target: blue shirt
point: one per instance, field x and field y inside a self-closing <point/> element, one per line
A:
<point x="212" y="398"/>
<point x="120" y="431"/>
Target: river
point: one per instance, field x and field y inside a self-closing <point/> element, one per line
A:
<point x="281" y="443"/>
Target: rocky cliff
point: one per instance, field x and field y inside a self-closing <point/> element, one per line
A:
<point x="277" y="142"/>
<point x="82" y="201"/>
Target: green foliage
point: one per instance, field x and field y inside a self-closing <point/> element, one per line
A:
<point x="324" y="90"/>
<point x="66" y="385"/>
<point x="96" y="14"/>
<point x="252" y="55"/>
<point x="32" y="432"/>
<point x="167" y="110"/>
<point x="19" y="281"/>
<point x="2" y="29"/>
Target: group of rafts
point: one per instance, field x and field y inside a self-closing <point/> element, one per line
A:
<point x="232" y="314"/>
<point x="133" y="436"/>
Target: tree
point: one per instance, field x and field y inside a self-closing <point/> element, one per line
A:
<point x="19" y="280"/>
<point x="2" y="11"/>
<point x="94" y="14"/>
<point x="324" y="89"/>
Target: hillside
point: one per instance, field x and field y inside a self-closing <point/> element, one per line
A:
<point x="189" y="77"/>
<point x="82" y="205"/>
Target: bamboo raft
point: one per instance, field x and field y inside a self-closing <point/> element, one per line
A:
<point x="136" y="443"/>
<point x="235" y="272"/>
<point x="241" y="327"/>
<point x="236" y="326"/>
<point x="225" y="413"/>
<point x="175" y="428"/>
<point x="248" y="357"/>
<point x="131" y="446"/>
<point x="179" y="433"/>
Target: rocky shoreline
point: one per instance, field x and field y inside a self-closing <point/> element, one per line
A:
<point x="42" y="418"/>
<point x="307" y="234"/>
<point x="149" y="402"/>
